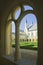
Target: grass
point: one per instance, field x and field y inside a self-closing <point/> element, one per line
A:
<point x="27" y="45"/>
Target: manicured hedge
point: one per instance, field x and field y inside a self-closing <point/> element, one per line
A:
<point x="27" y="47"/>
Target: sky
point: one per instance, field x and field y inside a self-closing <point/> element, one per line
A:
<point x="30" y="18"/>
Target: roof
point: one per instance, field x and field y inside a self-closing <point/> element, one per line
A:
<point x="34" y="27"/>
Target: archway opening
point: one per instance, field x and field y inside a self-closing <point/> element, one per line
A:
<point x="28" y="29"/>
<point x="13" y="34"/>
<point x="24" y="37"/>
<point x="29" y="36"/>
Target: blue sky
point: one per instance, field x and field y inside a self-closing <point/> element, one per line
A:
<point x="29" y="18"/>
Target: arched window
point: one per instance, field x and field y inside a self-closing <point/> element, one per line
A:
<point x="26" y="7"/>
<point x="17" y="13"/>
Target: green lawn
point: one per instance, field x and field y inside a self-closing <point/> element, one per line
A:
<point x="27" y="45"/>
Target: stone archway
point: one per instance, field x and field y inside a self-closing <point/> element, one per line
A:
<point x="38" y="5"/>
<point x="17" y="24"/>
<point x="23" y="14"/>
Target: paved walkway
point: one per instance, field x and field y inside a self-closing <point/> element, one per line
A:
<point x="29" y="57"/>
<point x="28" y="54"/>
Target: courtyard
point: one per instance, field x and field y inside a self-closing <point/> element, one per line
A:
<point x="27" y="45"/>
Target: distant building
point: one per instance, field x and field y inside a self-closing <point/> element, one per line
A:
<point x="29" y="33"/>
<point x="32" y="32"/>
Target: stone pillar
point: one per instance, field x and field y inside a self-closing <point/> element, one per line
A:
<point x="40" y="35"/>
<point x="8" y="47"/>
<point x="40" y="41"/>
<point x="17" y="55"/>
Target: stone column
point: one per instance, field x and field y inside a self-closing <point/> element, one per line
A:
<point x="8" y="46"/>
<point x="17" y="55"/>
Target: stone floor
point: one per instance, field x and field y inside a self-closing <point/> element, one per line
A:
<point x="28" y="57"/>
